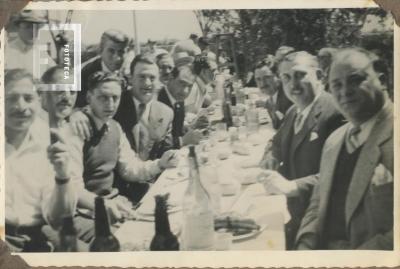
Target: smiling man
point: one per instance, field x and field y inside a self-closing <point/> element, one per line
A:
<point x="39" y="189"/>
<point x="146" y="122"/>
<point x="352" y="204"/>
<point x="269" y="84"/>
<point x="296" y="148"/>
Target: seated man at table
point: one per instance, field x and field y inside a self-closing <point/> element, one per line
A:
<point x="165" y="64"/>
<point x="107" y="158"/>
<point x="277" y="103"/>
<point x="113" y="45"/>
<point x="38" y="185"/>
<point x="174" y="95"/>
<point x="296" y="148"/>
<point x="352" y="204"/>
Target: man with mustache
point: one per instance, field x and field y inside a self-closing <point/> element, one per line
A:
<point x="352" y="204"/>
<point x="113" y="45"/>
<point x="296" y="148"/>
<point x="38" y="192"/>
<point x="277" y="103"/>
<point x="165" y="64"/>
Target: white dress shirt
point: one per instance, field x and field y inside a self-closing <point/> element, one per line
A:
<point x="30" y="182"/>
<point x="305" y="112"/>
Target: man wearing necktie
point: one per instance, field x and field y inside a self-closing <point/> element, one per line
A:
<point x="352" y="204"/>
<point x="277" y="103"/>
<point x="174" y="95"/>
<point x="295" y="151"/>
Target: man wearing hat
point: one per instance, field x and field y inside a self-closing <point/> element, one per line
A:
<point x="19" y="52"/>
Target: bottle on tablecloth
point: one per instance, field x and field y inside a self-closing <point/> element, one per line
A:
<point x="252" y="120"/>
<point x="163" y="239"/>
<point x="68" y="236"/>
<point x="198" y="219"/>
<point x="226" y="108"/>
<point x="104" y="240"/>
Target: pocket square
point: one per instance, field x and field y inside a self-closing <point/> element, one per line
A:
<point x="279" y="115"/>
<point x="381" y="175"/>
<point x="313" y="136"/>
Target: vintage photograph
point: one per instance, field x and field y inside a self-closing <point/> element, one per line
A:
<point x="199" y="130"/>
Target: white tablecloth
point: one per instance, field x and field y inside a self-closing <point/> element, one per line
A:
<point x="250" y="201"/>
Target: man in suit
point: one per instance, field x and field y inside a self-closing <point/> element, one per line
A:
<point x="296" y="148"/>
<point x="352" y="204"/>
<point x="269" y="84"/>
<point x="174" y="95"/>
<point x="113" y="45"/>
<point x="146" y="122"/>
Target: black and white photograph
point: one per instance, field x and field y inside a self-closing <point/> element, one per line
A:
<point x="199" y="130"/>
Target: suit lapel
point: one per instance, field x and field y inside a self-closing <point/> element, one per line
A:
<point x="286" y="130"/>
<point x="368" y="160"/>
<point x="309" y="124"/>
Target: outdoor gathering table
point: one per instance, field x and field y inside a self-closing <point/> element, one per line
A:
<point x="250" y="201"/>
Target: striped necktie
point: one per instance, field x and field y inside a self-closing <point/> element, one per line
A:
<point x="352" y="139"/>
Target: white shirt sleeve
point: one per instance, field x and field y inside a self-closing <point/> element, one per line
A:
<point x="131" y="167"/>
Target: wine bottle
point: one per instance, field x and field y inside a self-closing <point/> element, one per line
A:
<point x="163" y="239"/>
<point x="68" y="236"/>
<point x="252" y="120"/>
<point x="198" y="220"/>
<point x="104" y="240"/>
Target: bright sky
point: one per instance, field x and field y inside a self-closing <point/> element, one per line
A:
<point x="152" y="24"/>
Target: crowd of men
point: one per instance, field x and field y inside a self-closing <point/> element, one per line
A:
<point x="332" y="155"/>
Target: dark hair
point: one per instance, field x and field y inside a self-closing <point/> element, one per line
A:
<point x="115" y="36"/>
<point x="200" y="63"/>
<point x="140" y="58"/>
<point x="100" y="77"/>
<point x="17" y="74"/>
<point x="48" y="76"/>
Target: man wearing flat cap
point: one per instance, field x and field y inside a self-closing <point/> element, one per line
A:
<point x="19" y="51"/>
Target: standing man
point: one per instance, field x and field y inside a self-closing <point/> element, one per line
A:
<point x="296" y="148"/>
<point x="352" y="205"/>
<point x="19" y="52"/>
<point x="38" y="191"/>
<point x="277" y="103"/>
<point x="112" y="48"/>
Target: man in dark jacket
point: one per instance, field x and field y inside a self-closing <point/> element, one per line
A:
<point x="296" y="148"/>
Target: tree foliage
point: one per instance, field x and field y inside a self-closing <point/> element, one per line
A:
<point x="260" y="32"/>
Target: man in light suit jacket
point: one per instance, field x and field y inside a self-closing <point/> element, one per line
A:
<point x="352" y="205"/>
<point x="296" y="148"/>
<point x="146" y="122"/>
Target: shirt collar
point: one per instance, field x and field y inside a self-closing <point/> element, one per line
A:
<point x="274" y="98"/>
<point x="171" y="98"/>
<point x="366" y="127"/>
<point x="307" y="110"/>
<point x="98" y="122"/>
<point x="146" y="112"/>
<point x="38" y="135"/>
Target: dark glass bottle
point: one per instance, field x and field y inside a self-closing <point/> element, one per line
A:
<point x="232" y="94"/>
<point x="226" y="109"/>
<point x="68" y="236"/>
<point x="104" y="240"/>
<point x="164" y="239"/>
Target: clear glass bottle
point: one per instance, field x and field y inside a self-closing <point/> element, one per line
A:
<point x="252" y="120"/>
<point x="198" y="217"/>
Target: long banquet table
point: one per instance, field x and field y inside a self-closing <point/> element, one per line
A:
<point x="250" y="201"/>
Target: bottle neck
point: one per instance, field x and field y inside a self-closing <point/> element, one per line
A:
<point x="162" y="221"/>
<point x="68" y="227"/>
<point x="102" y="226"/>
